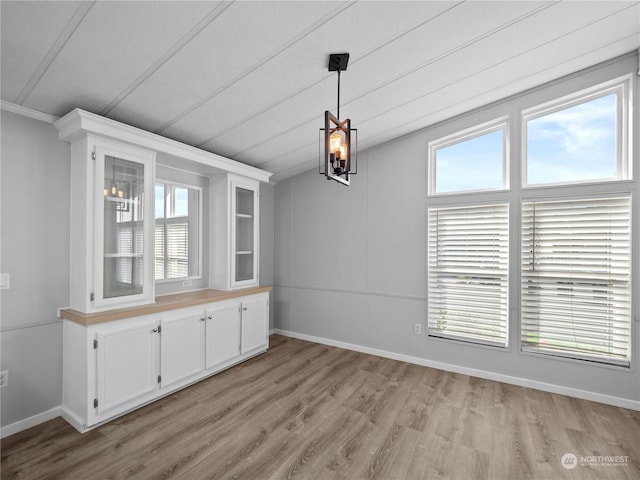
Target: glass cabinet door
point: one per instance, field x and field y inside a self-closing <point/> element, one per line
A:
<point x="124" y="216"/>
<point x="123" y="248"/>
<point x="244" y="265"/>
<point x="244" y="234"/>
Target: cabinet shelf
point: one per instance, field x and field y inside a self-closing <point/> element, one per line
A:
<point x="244" y="215"/>
<point x="245" y="252"/>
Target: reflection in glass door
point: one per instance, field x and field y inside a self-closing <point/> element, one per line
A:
<point x="123" y="272"/>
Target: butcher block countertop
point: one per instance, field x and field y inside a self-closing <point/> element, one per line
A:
<point x="163" y="303"/>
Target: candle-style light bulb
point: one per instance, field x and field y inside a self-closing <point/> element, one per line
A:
<point x="335" y="141"/>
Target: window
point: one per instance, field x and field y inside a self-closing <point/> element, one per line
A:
<point x="468" y="250"/>
<point x="576" y="278"/>
<point x="468" y="243"/>
<point x="177" y="231"/>
<point x="472" y="160"/>
<point x="576" y="140"/>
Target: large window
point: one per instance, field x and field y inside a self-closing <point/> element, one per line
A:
<point x="576" y="276"/>
<point x="468" y="243"/>
<point x="177" y="232"/>
<point x="468" y="270"/>
<point x="571" y="213"/>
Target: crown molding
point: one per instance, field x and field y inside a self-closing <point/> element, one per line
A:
<point x="27" y="112"/>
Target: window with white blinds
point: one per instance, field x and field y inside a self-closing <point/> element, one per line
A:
<point x="468" y="250"/>
<point x="576" y="278"/>
<point x="177" y="228"/>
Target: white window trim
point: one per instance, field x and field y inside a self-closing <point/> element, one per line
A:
<point x="200" y="228"/>
<point x="500" y="123"/>
<point x="622" y="87"/>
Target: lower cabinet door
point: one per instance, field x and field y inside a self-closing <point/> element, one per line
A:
<point x="255" y="325"/>
<point x="222" y="335"/>
<point x="181" y="348"/>
<point x="127" y="366"/>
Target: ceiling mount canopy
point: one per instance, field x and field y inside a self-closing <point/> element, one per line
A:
<point x="339" y="156"/>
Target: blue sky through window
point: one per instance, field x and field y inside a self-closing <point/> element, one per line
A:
<point x="474" y="164"/>
<point x="574" y="144"/>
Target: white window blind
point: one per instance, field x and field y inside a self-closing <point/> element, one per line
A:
<point x="468" y="256"/>
<point x="576" y="289"/>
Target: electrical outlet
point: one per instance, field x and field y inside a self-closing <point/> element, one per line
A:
<point x="4" y="378"/>
<point x="186" y="283"/>
<point x="417" y="328"/>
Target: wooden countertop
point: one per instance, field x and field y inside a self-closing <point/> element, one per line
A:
<point x="163" y="303"/>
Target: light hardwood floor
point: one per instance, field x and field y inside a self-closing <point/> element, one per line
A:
<point x="309" y="411"/>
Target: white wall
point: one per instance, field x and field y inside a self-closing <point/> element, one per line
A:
<point x="351" y="268"/>
<point x="35" y="252"/>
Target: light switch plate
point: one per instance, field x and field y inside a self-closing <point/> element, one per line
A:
<point x="4" y="281"/>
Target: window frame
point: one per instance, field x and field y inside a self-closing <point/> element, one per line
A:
<point x="500" y="123"/>
<point x="621" y="86"/>
<point x="164" y="220"/>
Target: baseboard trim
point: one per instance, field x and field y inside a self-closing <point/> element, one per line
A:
<point x="522" y="382"/>
<point x="21" y="425"/>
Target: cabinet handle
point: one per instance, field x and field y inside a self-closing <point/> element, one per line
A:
<point x="244" y="308"/>
<point x="155" y="330"/>
<point x="210" y="317"/>
<point x="203" y="319"/>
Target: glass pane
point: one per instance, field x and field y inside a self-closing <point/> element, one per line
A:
<point x="575" y="144"/>
<point x="123" y="229"/>
<point x="177" y="238"/>
<point x="181" y="202"/>
<point x="473" y="164"/>
<point x="159" y="201"/>
<point x="244" y="234"/>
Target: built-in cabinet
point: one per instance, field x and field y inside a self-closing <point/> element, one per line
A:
<point x="123" y="347"/>
<point x="113" y="367"/>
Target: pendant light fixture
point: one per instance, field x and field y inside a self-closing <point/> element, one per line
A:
<point x="338" y="141"/>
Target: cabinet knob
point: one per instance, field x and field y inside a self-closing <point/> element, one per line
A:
<point x="155" y="330"/>
<point x="203" y="319"/>
<point x="244" y="308"/>
<point x="210" y="317"/>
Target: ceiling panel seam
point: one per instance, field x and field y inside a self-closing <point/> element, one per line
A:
<point x="309" y="86"/>
<point x="326" y="18"/>
<point x="506" y="60"/>
<point x="411" y="71"/>
<point x="179" y="45"/>
<point x="54" y="51"/>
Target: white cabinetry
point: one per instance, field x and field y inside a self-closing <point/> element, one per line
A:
<point x="181" y="346"/>
<point x="235" y="215"/>
<point x="116" y="366"/>
<point x="255" y="331"/>
<point x="223" y="335"/>
<point x="127" y="366"/>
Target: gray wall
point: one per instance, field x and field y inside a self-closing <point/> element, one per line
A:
<point x="351" y="268"/>
<point x="34" y="241"/>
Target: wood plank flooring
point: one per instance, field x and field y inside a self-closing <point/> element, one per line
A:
<point x="309" y="411"/>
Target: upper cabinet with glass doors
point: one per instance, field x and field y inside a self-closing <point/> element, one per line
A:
<point x="234" y="262"/>
<point x="111" y="225"/>
<point x="130" y="229"/>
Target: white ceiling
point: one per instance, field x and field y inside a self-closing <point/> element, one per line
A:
<point x="249" y="80"/>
